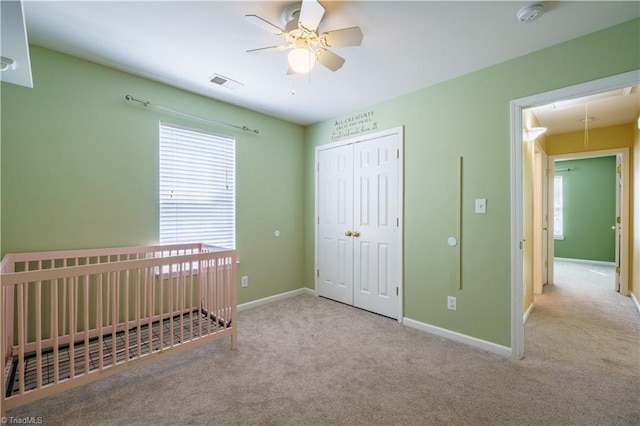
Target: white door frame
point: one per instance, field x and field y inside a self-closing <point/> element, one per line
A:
<point x="395" y="130"/>
<point x="623" y="255"/>
<point x="540" y="196"/>
<point x="517" y="227"/>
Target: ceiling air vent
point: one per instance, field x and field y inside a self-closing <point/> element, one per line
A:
<point x="227" y="82"/>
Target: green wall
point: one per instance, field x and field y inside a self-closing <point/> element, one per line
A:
<point x="589" y="204"/>
<point x="80" y="167"/>
<point x="469" y="117"/>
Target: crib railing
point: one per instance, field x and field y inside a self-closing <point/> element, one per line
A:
<point x="71" y="316"/>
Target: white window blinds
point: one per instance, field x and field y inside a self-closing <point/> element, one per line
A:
<point x="197" y="187"/>
<point x="558" y="230"/>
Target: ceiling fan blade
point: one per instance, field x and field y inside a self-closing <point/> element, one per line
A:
<point x="330" y="60"/>
<point x="345" y="37"/>
<point x="264" y="49"/>
<point x="311" y="14"/>
<point x="265" y="25"/>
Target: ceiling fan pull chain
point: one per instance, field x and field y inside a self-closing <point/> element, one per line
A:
<point x="586" y="126"/>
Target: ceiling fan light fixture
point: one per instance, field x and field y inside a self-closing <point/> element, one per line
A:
<point x="301" y="60"/>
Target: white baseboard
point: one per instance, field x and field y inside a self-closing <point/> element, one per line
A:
<point x="592" y="262"/>
<point x="459" y="337"/>
<point x="525" y="317"/>
<point x="635" y="302"/>
<point x="270" y="299"/>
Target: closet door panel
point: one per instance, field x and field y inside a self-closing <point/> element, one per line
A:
<point x="335" y="207"/>
<point x="376" y="246"/>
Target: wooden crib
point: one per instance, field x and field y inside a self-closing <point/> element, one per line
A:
<point x="72" y="317"/>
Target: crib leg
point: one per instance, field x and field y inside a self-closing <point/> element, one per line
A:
<point x="234" y="339"/>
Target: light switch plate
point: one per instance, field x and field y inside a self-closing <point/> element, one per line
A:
<point x="481" y="205"/>
<point x="452" y="303"/>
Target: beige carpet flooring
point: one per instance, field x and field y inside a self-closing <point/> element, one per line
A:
<point x="310" y="361"/>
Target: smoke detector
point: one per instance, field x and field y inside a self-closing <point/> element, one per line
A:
<point x="530" y="13"/>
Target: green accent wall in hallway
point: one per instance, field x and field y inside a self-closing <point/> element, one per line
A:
<point x="589" y="205"/>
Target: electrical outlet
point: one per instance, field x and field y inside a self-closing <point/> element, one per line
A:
<point x="245" y="281"/>
<point x="452" y="303"/>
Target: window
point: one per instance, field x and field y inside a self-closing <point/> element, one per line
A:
<point x="197" y="187"/>
<point x="558" y="230"/>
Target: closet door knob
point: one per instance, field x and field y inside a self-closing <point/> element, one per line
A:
<point x="348" y="234"/>
<point x="356" y="234"/>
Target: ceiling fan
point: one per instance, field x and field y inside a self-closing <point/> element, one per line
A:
<point x="301" y="38"/>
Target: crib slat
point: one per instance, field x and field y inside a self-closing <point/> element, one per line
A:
<point x="191" y="337"/>
<point x="27" y="316"/>
<point x="51" y="307"/>
<point x="224" y="303"/>
<point x="161" y="285"/>
<point x="21" y="334"/>
<point x="86" y="324"/>
<point x="126" y="315"/>
<point x="55" y="332"/>
<point x="149" y="282"/>
<point x="181" y="289"/>
<point x="108" y="307"/>
<point x="72" y="327"/>
<point x="64" y="304"/>
<point x="211" y="304"/>
<point x="214" y="296"/>
<point x="170" y="305"/>
<point x="137" y="308"/>
<point x="99" y="322"/>
<point x="114" y="340"/>
<point x="222" y="294"/>
<point x="229" y="293"/>
<point x="39" y="332"/>
<point x="197" y="303"/>
<point x="204" y="285"/>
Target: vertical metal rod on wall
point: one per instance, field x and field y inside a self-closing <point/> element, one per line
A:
<point x="459" y="224"/>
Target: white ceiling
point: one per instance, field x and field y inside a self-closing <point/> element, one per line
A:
<point x="611" y="108"/>
<point x="407" y="45"/>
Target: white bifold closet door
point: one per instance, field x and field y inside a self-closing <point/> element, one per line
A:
<point x="359" y="234"/>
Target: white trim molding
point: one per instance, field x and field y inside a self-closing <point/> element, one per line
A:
<point x="635" y="302"/>
<point x="275" y="298"/>
<point x="526" y="314"/>
<point x="584" y="261"/>
<point x="458" y="337"/>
